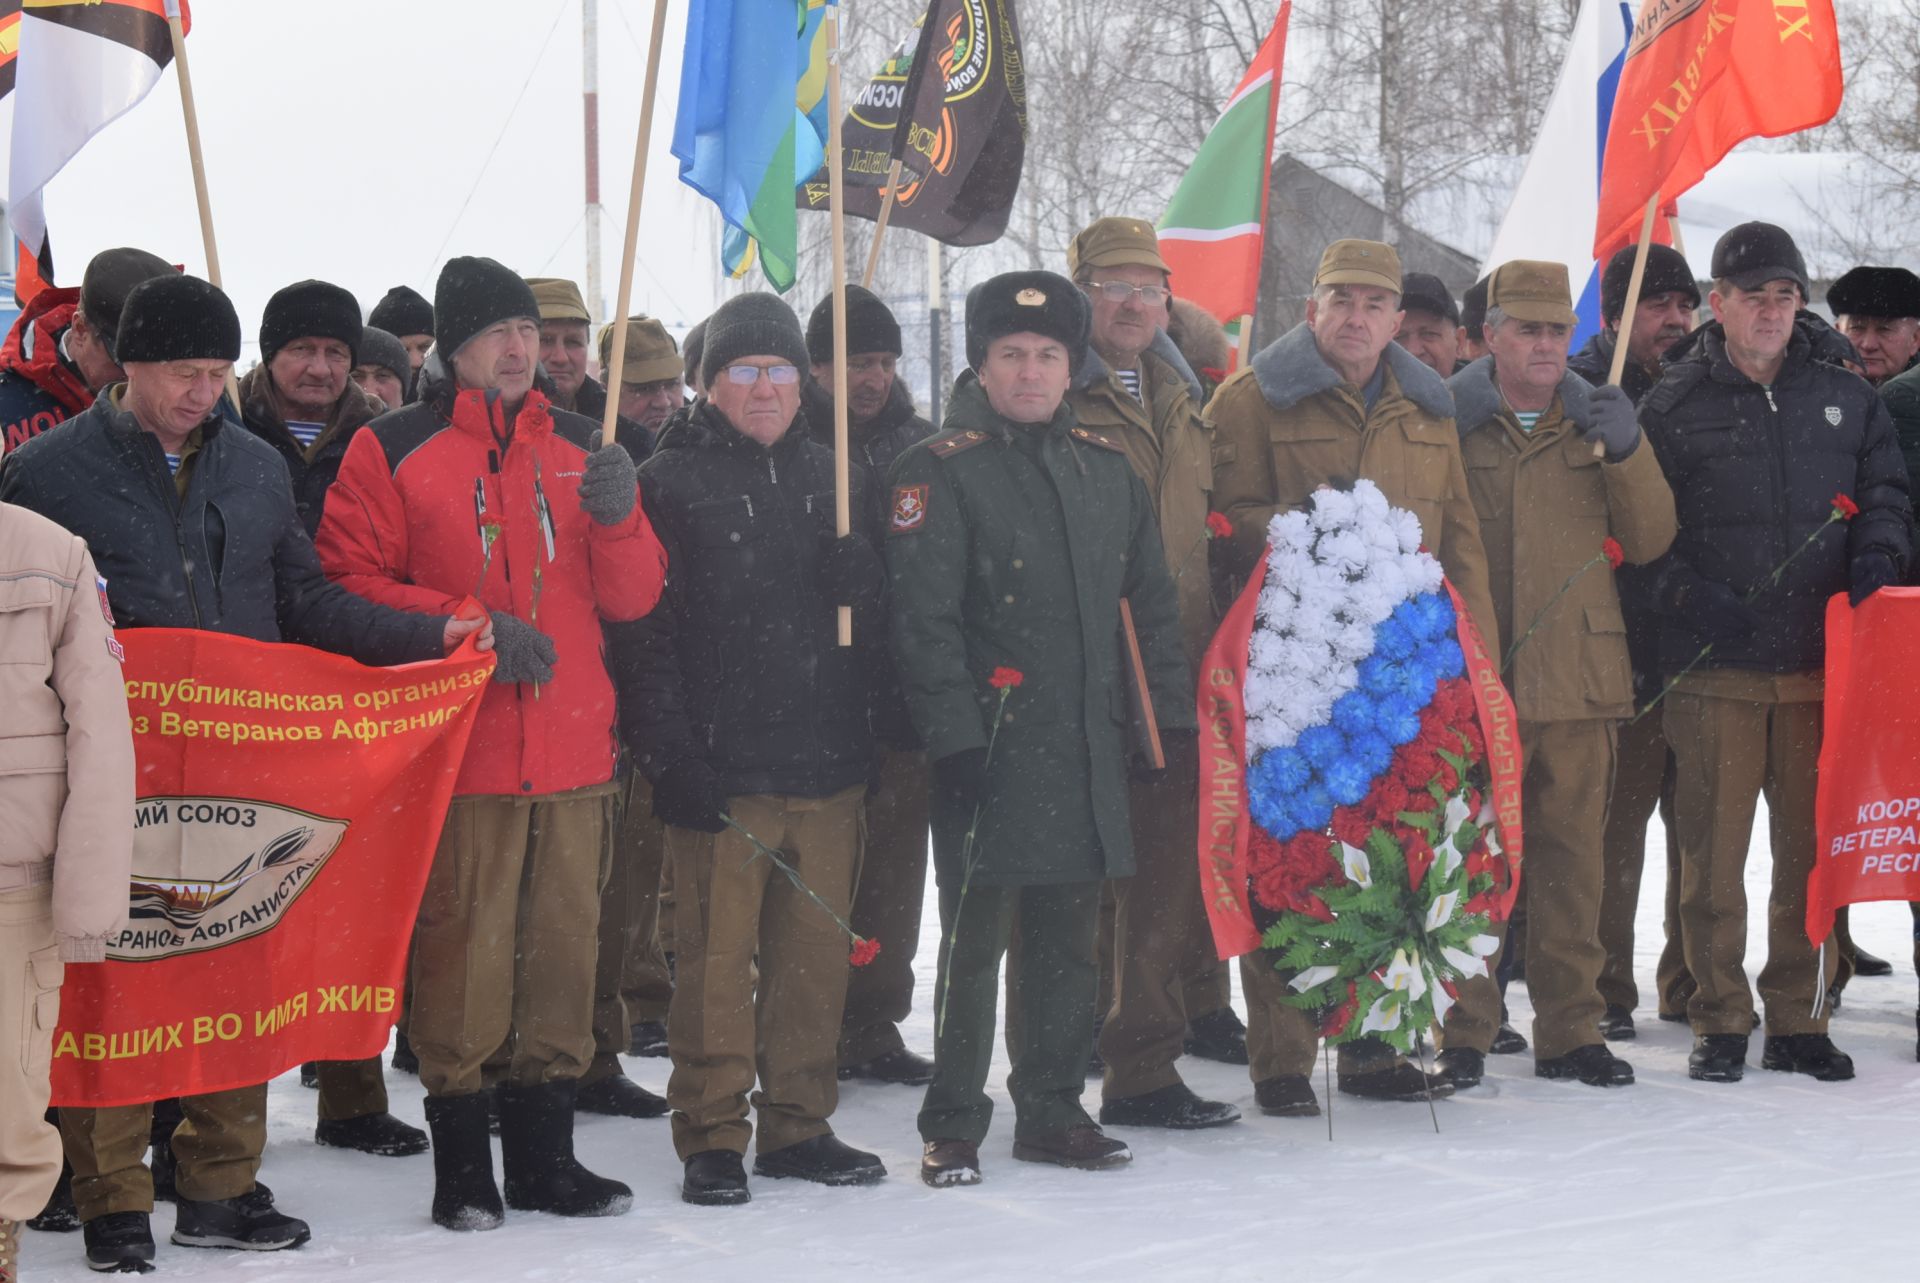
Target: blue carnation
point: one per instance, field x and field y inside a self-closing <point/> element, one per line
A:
<point x="1432" y="616"/>
<point x="1349" y="781"/>
<point x="1448" y="661"/>
<point x="1399" y="722"/>
<point x="1314" y="808"/>
<point x="1372" y="754"/>
<point x="1321" y="746"/>
<point x="1288" y="769"/>
<point x="1418" y="683"/>
<point x="1354" y="713"/>
<point x="1374" y="673"/>
<point x="1395" y="638"/>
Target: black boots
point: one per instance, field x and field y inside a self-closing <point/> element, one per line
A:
<point x="1592" y="1064"/>
<point x="1810" y="1054"/>
<point x="464" y="1195"/>
<point x="249" y="1222"/>
<point x="1718" y="1058"/>
<point x="119" y="1243"/>
<point x="715" y="1178"/>
<point x="536" y="1153"/>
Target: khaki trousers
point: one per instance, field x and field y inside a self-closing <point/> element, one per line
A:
<point x="732" y="1019"/>
<point x="1736" y="735"/>
<point x="505" y="944"/>
<point x="217" y="1148"/>
<point x="630" y="984"/>
<point x="1642" y="781"/>
<point x="1162" y="948"/>
<point x="351" y="1088"/>
<point x="887" y="907"/>
<point x="30" y="976"/>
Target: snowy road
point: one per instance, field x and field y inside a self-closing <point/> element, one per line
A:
<point x="1775" y="1177"/>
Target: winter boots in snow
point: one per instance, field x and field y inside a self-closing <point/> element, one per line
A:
<point x="1718" y="1058"/>
<point x="1592" y="1064"/>
<point x="1811" y="1054"/>
<point x="119" y="1243"/>
<point x="715" y="1178"/>
<point x="464" y="1195"/>
<point x="824" y="1160"/>
<point x="379" y="1134"/>
<point x="536" y="1155"/>
<point x="250" y="1222"/>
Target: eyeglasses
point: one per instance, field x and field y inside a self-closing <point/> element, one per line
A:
<point x="1118" y="292"/>
<point x="745" y="376"/>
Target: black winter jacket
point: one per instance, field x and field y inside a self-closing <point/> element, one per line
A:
<point x="231" y="557"/>
<point x="738" y="664"/>
<point x="880" y="442"/>
<point x="1754" y="472"/>
<point x="311" y="477"/>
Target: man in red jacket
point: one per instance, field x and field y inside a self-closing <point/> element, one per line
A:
<point x="482" y="488"/>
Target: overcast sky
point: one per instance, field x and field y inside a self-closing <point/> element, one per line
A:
<point x="349" y="141"/>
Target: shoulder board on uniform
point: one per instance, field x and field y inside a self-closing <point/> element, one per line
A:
<point x="953" y="443"/>
<point x="1091" y="437"/>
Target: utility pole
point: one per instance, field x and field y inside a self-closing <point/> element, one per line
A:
<point x="590" y="86"/>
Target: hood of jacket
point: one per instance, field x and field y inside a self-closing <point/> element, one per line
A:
<point x="1477" y="400"/>
<point x="32" y="349"/>
<point x="1291" y="369"/>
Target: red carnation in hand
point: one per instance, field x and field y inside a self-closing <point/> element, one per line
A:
<point x="1005" y="678"/>
<point x="1610" y="549"/>
<point x="1218" y="527"/>
<point x="864" y="951"/>
<point x="1845" y="508"/>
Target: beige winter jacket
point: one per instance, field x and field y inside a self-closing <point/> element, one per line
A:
<point x="66" y="747"/>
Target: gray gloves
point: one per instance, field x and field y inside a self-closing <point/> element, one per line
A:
<point x="609" y="489"/>
<point x="522" y="653"/>
<point x="1615" y="424"/>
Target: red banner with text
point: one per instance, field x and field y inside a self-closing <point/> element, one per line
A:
<point x="1867" y="817"/>
<point x="289" y="803"/>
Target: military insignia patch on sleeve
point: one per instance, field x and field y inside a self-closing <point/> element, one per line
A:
<point x="909" y="509"/>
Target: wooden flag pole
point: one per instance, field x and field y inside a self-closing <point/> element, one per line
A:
<point x="1244" y="345"/>
<point x="179" y="35"/>
<point x="617" y="355"/>
<point x="842" y="513"/>
<point x="880" y="227"/>
<point x="1630" y="304"/>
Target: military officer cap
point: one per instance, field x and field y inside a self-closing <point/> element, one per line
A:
<point x="1876" y="291"/>
<point x="1043" y="303"/>
<point x="1753" y="254"/>
<point x="1356" y="262"/>
<point x="1115" y="242"/>
<point x="1532" y="290"/>
<point x="559" y="299"/>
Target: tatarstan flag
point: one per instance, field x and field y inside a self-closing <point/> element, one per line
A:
<point x="1215" y="226"/>
<point x="79" y="65"/>
<point x="1700" y="77"/>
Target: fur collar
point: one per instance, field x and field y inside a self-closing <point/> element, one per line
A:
<point x="1093" y="370"/>
<point x="1291" y="369"/>
<point x="1477" y="401"/>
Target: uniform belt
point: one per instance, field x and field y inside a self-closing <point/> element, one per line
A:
<point x="14" y="877"/>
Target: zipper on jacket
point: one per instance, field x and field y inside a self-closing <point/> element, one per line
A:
<point x="1768" y="389"/>
<point x="170" y="498"/>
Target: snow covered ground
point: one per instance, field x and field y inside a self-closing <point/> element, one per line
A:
<point x="1775" y="1177"/>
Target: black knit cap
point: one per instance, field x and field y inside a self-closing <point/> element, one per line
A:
<point x="1043" y="303"/>
<point x="1473" y="310"/>
<point x="756" y="324"/>
<point x="110" y="277"/>
<point x="1752" y="254"/>
<point x="870" y="327"/>
<point x="377" y="347"/>
<point x="472" y="294"/>
<point x="310" y="310"/>
<point x="692" y="346"/>
<point x="177" y="318"/>
<point x="402" y="310"/>
<point x="1875" y="291"/>
<point x="1666" y="273"/>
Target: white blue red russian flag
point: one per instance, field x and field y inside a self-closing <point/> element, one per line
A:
<point x="1552" y="213"/>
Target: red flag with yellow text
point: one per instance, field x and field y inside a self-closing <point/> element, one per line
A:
<point x="1867" y="816"/>
<point x="1700" y="77"/>
<point x="288" y="806"/>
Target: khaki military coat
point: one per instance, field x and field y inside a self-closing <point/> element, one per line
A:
<point x="1546" y="507"/>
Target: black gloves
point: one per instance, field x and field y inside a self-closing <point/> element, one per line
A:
<point x="1871" y="571"/>
<point x="610" y="487"/>
<point x="962" y="778"/>
<point x="522" y="653"/>
<point x="688" y="796"/>
<point x="850" y="571"/>
<point x="1713" y="610"/>
<point x="1616" y="424"/>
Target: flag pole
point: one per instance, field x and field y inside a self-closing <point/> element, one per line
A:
<point x="842" y="514"/>
<point x="617" y="354"/>
<point x="1631" y="303"/>
<point x="179" y="35"/>
<point x="934" y="350"/>
<point x="1245" y="341"/>
<point x="880" y="227"/>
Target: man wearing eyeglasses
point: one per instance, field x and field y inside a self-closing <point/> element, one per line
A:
<point x="1156" y="954"/>
<point x="748" y="717"/>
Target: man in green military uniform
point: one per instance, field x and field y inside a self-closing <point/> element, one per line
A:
<point x="1156" y="952"/>
<point x="1012" y="539"/>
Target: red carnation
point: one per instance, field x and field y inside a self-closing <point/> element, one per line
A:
<point x="1610" y="549"/>
<point x="1844" y="508"/>
<point x="1218" y="527"/>
<point x="1284" y="875"/>
<point x="1005" y="678"/>
<point x="1263" y="851"/>
<point x="864" y="951"/>
<point x="1351" y="827"/>
<point x="1341" y="1016"/>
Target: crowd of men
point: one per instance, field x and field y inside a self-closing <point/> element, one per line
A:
<point x="670" y="694"/>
